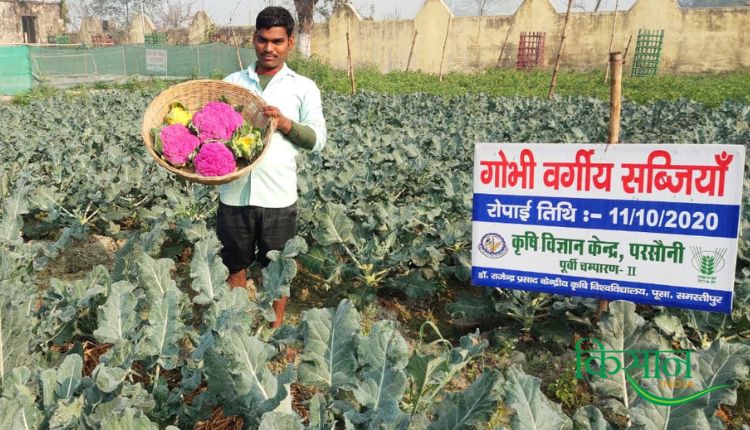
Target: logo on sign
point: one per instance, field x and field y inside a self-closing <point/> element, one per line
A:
<point x="708" y="263"/>
<point x="493" y="245"/>
<point x="663" y="371"/>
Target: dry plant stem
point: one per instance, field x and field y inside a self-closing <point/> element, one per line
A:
<point x="156" y="378"/>
<point x="445" y="43"/>
<point x="627" y="47"/>
<point x="236" y="48"/>
<point x="611" y="39"/>
<point x="553" y="84"/>
<point x="411" y="50"/>
<point x="505" y="43"/>
<point x="350" y="64"/>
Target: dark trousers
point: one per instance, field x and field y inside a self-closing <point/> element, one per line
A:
<point x="247" y="233"/>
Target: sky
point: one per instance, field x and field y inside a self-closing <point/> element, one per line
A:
<point x="239" y="12"/>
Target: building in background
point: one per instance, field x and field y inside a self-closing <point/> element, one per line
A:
<point x="29" y="21"/>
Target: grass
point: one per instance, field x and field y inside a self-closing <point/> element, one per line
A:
<point x="710" y="89"/>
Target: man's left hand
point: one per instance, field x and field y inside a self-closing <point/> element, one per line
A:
<point x="283" y="124"/>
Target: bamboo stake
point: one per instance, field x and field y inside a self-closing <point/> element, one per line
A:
<point x="445" y="43"/>
<point x="350" y="66"/>
<point x="236" y="47"/>
<point x="505" y="42"/>
<point x="198" y="57"/>
<point x="615" y="97"/>
<point x="627" y="47"/>
<point x="124" y="63"/>
<point x="611" y="39"/>
<point x="553" y="84"/>
<point x="411" y="50"/>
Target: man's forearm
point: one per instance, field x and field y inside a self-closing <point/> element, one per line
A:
<point x="302" y="135"/>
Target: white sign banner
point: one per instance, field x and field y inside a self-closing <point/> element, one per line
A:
<point x="156" y="61"/>
<point x="653" y="224"/>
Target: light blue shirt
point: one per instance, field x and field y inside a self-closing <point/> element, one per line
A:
<point x="273" y="182"/>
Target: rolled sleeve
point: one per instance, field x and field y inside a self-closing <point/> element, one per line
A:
<point x="311" y="115"/>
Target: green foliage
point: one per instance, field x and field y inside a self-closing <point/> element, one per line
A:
<point x="41" y="91"/>
<point x="533" y="409"/>
<point x="470" y="409"/>
<point x="328" y="360"/>
<point x="567" y="389"/>
<point x="384" y="207"/>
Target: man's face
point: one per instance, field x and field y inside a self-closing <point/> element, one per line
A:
<point x="272" y="46"/>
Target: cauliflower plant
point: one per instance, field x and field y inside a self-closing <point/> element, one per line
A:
<point x="178" y="144"/>
<point x="216" y="121"/>
<point x="214" y="159"/>
<point x="178" y="114"/>
<point x="247" y="142"/>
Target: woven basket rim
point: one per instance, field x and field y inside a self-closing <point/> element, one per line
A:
<point x="155" y="113"/>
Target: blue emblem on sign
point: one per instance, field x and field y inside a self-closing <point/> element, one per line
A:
<point x="493" y="245"/>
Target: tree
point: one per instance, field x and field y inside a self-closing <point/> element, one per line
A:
<point x="175" y="13"/>
<point x="80" y="9"/>
<point x="480" y="6"/>
<point x="325" y="8"/>
<point x="468" y="7"/>
<point x="121" y="11"/>
<point x="305" y="14"/>
<point x="64" y="13"/>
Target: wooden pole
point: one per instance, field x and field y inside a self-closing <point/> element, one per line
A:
<point x="553" y="84"/>
<point x="350" y="66"/>
<point x="505" y="42"/>
<point x="615" y="109"/>
<point x="615" y="97"/>
<point x="411" y="50"/>
<point x="611" y="39"/>
<point x="627" y="47"/>
<point x="445" y="43"/>
<point x="198" y="58"/>
<point x="236" y="47"/>
<point x="124" y="63"/>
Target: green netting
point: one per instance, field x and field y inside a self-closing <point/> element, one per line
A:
<point x="647" y="52"/>
<point x="127" y="60"/>
<point x="15" y="69"/>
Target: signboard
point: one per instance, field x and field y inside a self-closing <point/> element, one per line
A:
<point x="653" y="224"/>
<point x="156" y="61"/>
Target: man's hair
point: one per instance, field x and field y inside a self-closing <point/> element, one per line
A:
<point x="274" y="16"/>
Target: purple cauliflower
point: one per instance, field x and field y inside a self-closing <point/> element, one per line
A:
<point x="178" y="143"/>
<point x="216" y="121"/>
<point x="214" y="159"/>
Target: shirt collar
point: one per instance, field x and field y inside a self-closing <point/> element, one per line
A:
<point x="253" y="75"/>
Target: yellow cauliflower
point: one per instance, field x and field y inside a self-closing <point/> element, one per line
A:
<point x="178" y="114"/>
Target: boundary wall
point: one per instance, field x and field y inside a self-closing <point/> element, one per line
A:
<point x="695" y="40"/>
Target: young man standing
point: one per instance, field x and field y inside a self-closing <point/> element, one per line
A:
<point x="260" y="210"/>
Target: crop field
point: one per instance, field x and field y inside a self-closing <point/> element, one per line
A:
<point x="115" y="313"/>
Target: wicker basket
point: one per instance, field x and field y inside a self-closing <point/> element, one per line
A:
<point x="193" y="95"/>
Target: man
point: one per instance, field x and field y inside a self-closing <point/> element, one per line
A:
<point x="259" y="210"/>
